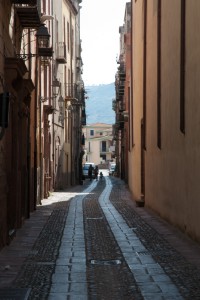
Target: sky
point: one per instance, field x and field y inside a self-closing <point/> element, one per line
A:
<point x="100" y="22"/>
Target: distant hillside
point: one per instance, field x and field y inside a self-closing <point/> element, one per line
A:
<point x="99" y="103"/>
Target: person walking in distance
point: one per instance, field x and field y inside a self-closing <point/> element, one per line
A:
<point x="90" y="172"/>
<point x="96" y="172"/>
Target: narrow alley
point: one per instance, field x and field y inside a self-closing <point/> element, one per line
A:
<point x="93" y="242"/>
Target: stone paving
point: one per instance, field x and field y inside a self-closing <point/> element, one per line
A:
<point x="149" y="275"/>
<point x="108" y="274"/>
<point x="92" y="242"/>
<point x="185" y="275"/>
<point x="69" y="278"/>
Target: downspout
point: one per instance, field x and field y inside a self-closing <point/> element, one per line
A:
<point x="35" y="136"/>
<point x="28" y="133"/>
<point x="37" y="140"/>
<point x="40" y="139"/>
<point x="71" y="79"/>
<point x="53" y="119"/>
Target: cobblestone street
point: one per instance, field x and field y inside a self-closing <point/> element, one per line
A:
<point x="93" y="242"/>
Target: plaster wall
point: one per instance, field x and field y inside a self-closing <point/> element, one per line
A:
<point x="173" y="171"/>
<point x="134" y="157"/>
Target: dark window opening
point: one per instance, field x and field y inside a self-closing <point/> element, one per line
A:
<point x="103" y="146"/>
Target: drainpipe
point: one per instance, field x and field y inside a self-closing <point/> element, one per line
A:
<point x="35" y="136"/>
<point x="71" y="79"/>
<point x="40" y="139"/>
<point x="53" y="119"/>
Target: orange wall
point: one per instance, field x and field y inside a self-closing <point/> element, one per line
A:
<point x="171" y="173"/>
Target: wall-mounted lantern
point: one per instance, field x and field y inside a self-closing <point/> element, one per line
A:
<point x="43" y="49"/>
<point x="43" y="37"/>
<point x="61" y="103"/>
<point x="61" y="106"/>
<point x="56" y="87"/>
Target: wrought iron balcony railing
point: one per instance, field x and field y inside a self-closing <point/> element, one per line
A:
<point x="114" y="105"/>
<point x="122" y="72"/>
<point x="28" y="2"/>
<point x="73" y="91"/>
<point x="121" y="106"/>
<point x="104" y="150"/>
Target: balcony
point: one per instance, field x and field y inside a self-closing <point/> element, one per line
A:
<point x="121" y="86"/>
<point x="79" y="64"/>
<point x="122" y="72"/>
<point x="72" y="91"/>
<point x="114" y="105"/>
<point x="27" y="2"/>
<point x="28" y="13"/>
<point x="104" y="150"/>
<point x="61" y="56"/>
<point x="119" y="118"/>
<point x="121" y="106"/>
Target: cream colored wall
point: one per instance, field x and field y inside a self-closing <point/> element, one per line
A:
<point x="172" y="173"/>
<point x="94" y="154"/>
<point x="95" y="141"/>
<point x="61" y="12"/>
<point x="137" y="98"/>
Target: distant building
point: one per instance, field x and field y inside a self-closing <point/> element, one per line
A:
<point x="98" y="143"/>
<point x="121" y="104"/>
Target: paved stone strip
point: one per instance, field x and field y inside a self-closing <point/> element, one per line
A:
<point x="185" y="275"/>
<point x="69" y="279"/>
<point x="107" y="272"/>
<point x="149" y="275"/>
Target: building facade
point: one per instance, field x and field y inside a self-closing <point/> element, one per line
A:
<point x="164" y="158"/>
<point x="70" y="102"/>
<point x="18" y="197"/>
<point x="98" y="143"/>
<point x="35" y="111"/>
<point x="122" y="103"/>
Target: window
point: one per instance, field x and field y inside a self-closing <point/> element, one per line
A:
<point x="91" y="132"/>
<point x="103" y="146"/>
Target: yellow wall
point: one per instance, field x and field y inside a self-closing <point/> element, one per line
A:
<point x="171" y="173"/>
<point x="137" y="80"/>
